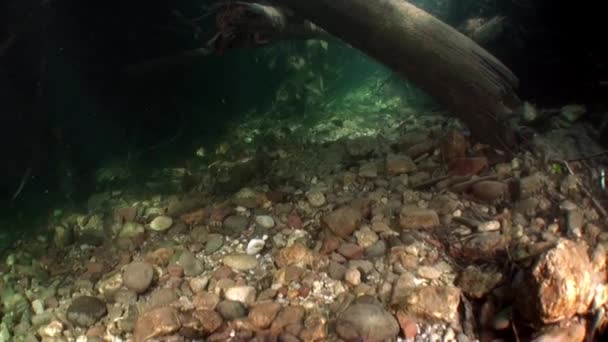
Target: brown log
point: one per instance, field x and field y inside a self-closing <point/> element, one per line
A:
<point x="449" y="66"/>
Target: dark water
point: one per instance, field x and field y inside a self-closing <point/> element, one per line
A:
<point x="69" y="107"/>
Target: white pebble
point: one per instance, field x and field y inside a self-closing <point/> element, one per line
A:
<point x="255" y="246"/>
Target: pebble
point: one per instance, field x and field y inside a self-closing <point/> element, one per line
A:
<point x="214" y="243"/>
<point x="161" y="223"/>
<point x="316" y="199"/>
<point x="86" y="311"/>
<point x="367" y="322"/>
<point x="138" y="276"/>
<point x="412" y="217"/>
<point x="265" y="221"/>
<point x="353" y="276"/>
<point x="262" y="314"/>
<point x="52" y="330"/>
<point x="231" y="310"/>
<point x="154" y="323"/>
<point x="235" y="224"/>
<point x="255" y="246"/>
<point x="489" y="226"/>
<point x="192" y="266"/>
<point x="243" y="294"/>
<point x="240" y="262"/>
<point x="343" y="221"/>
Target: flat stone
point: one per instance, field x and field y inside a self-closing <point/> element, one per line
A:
<point x="243" y="294"/>
<point x="262" y="314"/>
<point x="467" y="166"/>
<point x="398" y="164"/>
<point x="350" y="250"/>
<point x="240" y="262"/>
<point x="343" y="221"/>
<point x="574" y="332"/>
<point x="429" y="272"/>
<point x="86" y="311"/>
<point x="155" y="323"/>
<point x="161" y="223"/>
<point x="432" y="303"/>
<point x="231" y="310"/>
<point x="368" y="170"/>
<point x="138" y="276"/>
<point x="490" y="191"/>
<point x="367" y="322"/>
<point x="412" y="217"/>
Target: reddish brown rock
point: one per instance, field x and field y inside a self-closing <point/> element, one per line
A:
<point x="467" y="166"/>
<point x="209" y="320"/>
<point x="296" y="254"/>
<point x="408" y="325"/>
<point x="294" y="221"/>
<point x="262" y="314"/>
<point x="558" y="286"/>
<point x="315" y="329"/>
<point x="343" y="221"/>
<point x="351" y="250"/>
<point x="330" y="244"/>
<point x="156" y="323"/>
<point x="289" y="315"/>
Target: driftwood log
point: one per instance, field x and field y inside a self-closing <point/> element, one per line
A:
<point x="449" y="66"/>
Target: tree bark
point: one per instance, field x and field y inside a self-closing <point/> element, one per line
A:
<point x="449" y="66"/>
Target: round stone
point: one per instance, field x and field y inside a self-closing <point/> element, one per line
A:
<point x="265" y="221"/>
<point x="231" y="310"/>
<point x="138" y="276"/>
<point x="316" y="198"/>
<point x="161" y="223"/>
<point x="86" y="311"/>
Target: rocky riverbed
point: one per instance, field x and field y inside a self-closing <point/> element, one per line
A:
<point x="405" y="232"/>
